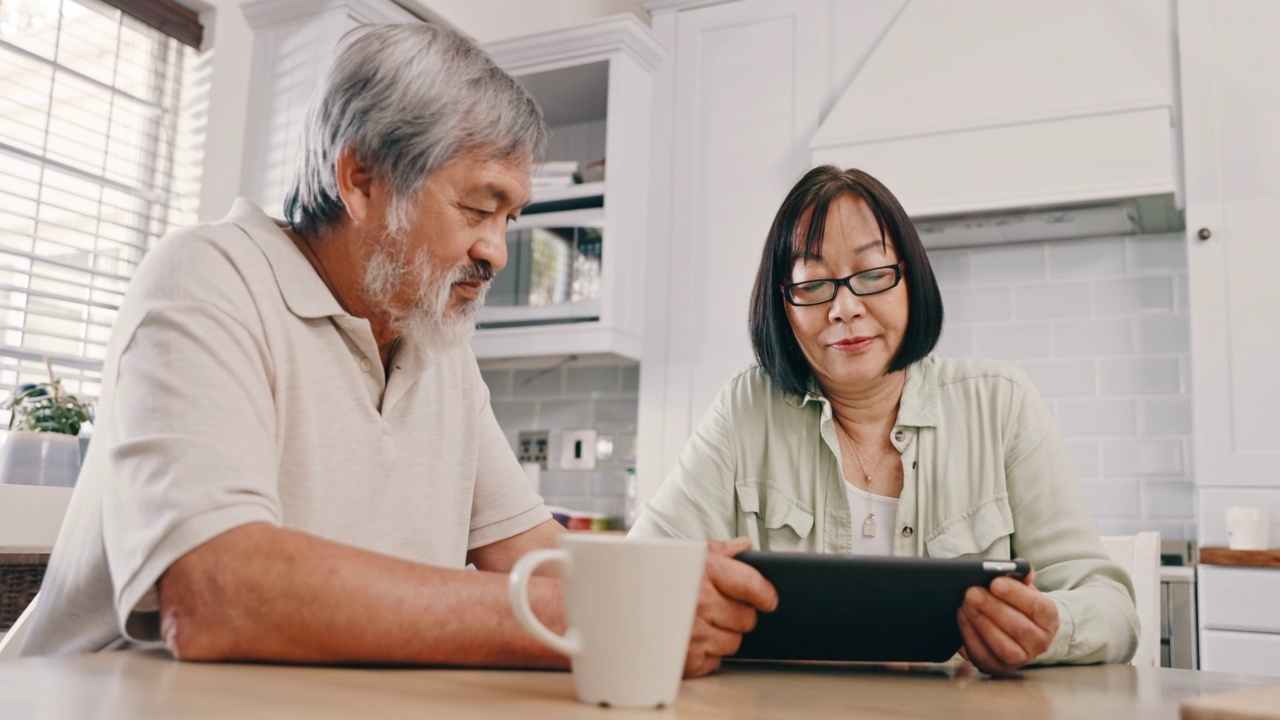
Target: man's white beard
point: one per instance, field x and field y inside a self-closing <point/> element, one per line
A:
<point x="428" y="321"/>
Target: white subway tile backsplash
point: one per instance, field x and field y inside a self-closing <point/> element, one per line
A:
<point x="616" y="412"/>
<point x="596" y="381"/>
<point x="1112" y="499"/>
<point x="1014" y="341"/>
<point x="1142" y="457"/>
<point x="1063" y="378"/>
<point x="1130" y="295"/>
<point x="1097" y="416"/>
<point x="1086" y="259"/>
<point x="565" y="483"/>
<point x="1083" y="455"/>
<point x="956" y="341"/>
<point x="1093" y="337"/>
<point x="1116" y="376"/>
<point x="1139" y="376"/>
<point x="538" y="383"/>
<point x="1009" y="264"/>
<point x="558" y="399"/>
<point x="1169" y="530"/>
<point x="1165" y="416"/>
<point x="1056" y="300"/>
<point x="1162" y="252"/>
<point x="515" y="414"/>
<point x="1181" y="294"/>
<point x="1169" y="500"/>
<point x="498" y="382"/>
<point x="564" y="414"/>
<point x="967" y="305"/>
<point x="631" y="380"/>
<point x="950" y="267"/>
<point x="1159" y="334"/>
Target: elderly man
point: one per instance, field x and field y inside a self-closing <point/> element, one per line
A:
<point x="295" y="457"/>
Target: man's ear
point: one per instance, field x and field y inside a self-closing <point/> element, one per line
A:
<point x="355" y="184"/>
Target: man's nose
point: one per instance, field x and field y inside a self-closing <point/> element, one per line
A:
<point x="492" y="247"/>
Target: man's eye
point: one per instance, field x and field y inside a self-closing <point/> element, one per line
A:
<point x="512" y="218"/>
<point x="478" y="212"/>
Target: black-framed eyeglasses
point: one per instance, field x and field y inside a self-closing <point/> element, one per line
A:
<point x="823" y="290"/>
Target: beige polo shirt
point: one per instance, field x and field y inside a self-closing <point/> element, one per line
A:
<point x="237" y="390"/>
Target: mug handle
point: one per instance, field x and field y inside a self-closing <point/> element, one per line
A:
<point x="518" y="592"/>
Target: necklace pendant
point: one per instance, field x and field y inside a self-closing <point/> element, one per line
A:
<point x="869" y="525"/>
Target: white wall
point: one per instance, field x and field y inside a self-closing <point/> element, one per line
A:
<point x="1103" y="329"/>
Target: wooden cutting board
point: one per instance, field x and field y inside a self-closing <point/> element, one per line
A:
<point x="1256" y="704"/>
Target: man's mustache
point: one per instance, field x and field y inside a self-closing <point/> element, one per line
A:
<point x="480" y="270"/>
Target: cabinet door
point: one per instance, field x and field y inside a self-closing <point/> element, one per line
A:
<point x="1231" y="110"/>
<point x="746" y="82"/>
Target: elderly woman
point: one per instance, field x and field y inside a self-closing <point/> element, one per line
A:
<point x="850" y="438"/>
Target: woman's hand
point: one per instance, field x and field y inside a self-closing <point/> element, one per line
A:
<point x="1007" y="627"/>
<point x="732" y="592"/>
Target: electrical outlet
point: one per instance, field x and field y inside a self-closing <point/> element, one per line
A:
<point x="534" y="445"/>
<point x="578" y="449"/>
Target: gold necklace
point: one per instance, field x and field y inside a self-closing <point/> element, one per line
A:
<point x="869" y="522"/>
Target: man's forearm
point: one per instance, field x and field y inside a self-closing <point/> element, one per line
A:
<point x="259" y="592"/>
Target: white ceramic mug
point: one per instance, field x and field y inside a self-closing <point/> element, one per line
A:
<point x="1248" y="528"/>
<point x="630" y="605"/>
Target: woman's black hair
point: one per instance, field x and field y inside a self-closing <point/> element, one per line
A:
<point x="772" y="338"/>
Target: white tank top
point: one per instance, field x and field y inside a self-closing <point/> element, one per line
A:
<point x="886" y="510"/>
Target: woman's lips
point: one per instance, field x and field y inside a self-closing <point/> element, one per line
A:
<point x="853" y="345"/>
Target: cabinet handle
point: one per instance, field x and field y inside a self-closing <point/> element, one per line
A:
<point x="1204" y="234"/>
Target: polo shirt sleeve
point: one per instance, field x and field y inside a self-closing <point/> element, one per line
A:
<point x="504" y="504"/>
<point x="192" y="431"/>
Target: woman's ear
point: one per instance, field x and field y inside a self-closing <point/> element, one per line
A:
<point x="355" y="184"/>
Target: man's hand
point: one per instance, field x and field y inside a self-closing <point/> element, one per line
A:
<point x="1007" y="627"/>
<point x="732" y="592"/>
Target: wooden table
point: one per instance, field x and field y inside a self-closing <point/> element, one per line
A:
<point x="140" y="686"/>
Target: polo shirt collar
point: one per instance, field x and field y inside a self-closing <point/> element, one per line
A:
<point x="919" y="404"/>
<point x="304" y="292"/>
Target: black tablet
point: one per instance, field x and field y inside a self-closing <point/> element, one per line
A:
<point x="859" y="608"/>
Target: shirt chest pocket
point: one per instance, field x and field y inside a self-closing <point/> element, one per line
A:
<point x="984" y="532"/>
<point x="772" y="520"/>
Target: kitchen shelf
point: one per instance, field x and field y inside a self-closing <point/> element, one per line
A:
<point x="1242" y="558"/>
<point x="546" y="194"/>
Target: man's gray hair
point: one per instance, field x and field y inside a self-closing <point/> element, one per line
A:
<point x="410" y="99"/>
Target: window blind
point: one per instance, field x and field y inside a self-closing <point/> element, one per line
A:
<point x="101" y="139"/>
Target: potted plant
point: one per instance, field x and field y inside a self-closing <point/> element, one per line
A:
<point x="42" y="446"/>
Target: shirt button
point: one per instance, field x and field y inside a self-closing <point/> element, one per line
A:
<point x="900" y="436"/>
<point x="907" y="531"/>
<point x="365" y="364"/>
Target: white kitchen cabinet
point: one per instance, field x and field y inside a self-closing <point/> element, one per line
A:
<point x="734" y="111"/>
<point x="1230" y="111"/>
<point x="558" y="68"/>
<point x="293" y="44"/>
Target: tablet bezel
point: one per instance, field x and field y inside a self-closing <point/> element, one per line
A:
<point x="856" y="608"/>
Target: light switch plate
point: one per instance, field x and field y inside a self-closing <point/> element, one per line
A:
<point x="533" y="447"/>
<point x="578" y="449"/>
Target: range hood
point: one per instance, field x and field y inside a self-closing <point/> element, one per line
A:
<point x="1136" y="216"/>
<point x="992" y="104"/>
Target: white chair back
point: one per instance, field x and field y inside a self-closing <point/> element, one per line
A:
<point x="12" y="642"/>
<point x="1139" y="555"/>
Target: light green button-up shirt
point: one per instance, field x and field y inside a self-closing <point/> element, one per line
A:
<point x="985" y="475"/>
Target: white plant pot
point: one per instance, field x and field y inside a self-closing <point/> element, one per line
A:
<point x="39" y="458"/>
